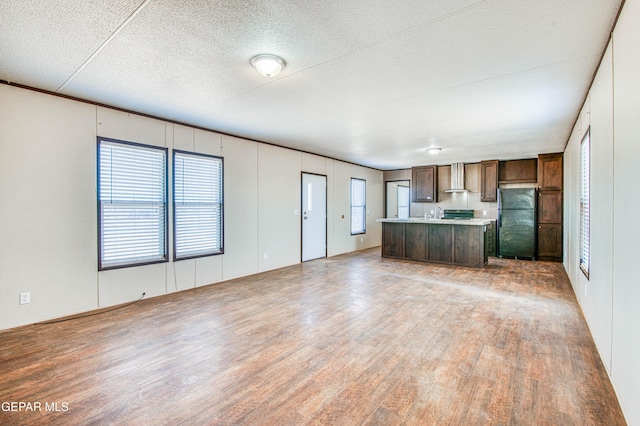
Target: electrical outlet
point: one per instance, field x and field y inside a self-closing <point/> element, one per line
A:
<point x="266" y="256"/>
<point x="484" y="212"/>
<point x="361" y="239"/>
<point x="25" y="298"/>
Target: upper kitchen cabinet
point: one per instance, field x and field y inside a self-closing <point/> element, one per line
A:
<point x="550" y="171"/>
<point x="518" y="171"/>
<point x="489" y="181"/>
<point x="424" y="184"/>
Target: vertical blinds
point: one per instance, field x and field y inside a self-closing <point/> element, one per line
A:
<point x="198" y="207"/>
<point x="584" y="204"/>
<point x="132" y="198"/>
<point x="358" y="206"/>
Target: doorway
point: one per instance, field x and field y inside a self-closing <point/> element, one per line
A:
<point x="397" y="199"/>
<point x="314" y="216"/>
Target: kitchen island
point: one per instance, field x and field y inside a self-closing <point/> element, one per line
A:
<point x="456" y="242"/>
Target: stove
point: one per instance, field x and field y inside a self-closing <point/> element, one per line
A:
<point x="458" y="214"/>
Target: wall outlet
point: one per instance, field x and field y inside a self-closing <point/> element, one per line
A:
<point x="25" y="298"/>
<point x="484" y="212"/>
<point x="361" y="239"/>
<point x="266" y="256"/>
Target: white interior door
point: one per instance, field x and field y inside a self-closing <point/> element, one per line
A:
<point x="314" y="216"/>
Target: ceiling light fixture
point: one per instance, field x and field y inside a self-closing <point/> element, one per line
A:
<point x="434" y="151"/>
<point x="268" y="65"/>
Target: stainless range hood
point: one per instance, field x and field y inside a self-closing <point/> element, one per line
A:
<point x="457" y="178"/>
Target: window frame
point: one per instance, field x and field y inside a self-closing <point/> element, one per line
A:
<point x="585" y="245"/>
<point x="165" y="202"/>
<point x="173" y="199"/>
<point x="364" y="207"/>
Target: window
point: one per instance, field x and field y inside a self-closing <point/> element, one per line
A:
<point x="584" y="204"/>
<point x="358" y="206"/>
<point x="197" y="205"/>
<point x="132" y="204"/>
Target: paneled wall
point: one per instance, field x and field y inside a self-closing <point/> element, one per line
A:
<point x="48" y="207"/>
<point x="610" y="296"/>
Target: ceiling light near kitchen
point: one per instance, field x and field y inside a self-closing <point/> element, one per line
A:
<point x="268" y="65"/>
<point x="434" y="151"/>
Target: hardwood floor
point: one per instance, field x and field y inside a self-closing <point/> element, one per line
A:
<point x="352" y="339"/>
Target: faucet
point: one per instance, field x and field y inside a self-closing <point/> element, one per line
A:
<point x="439" y="213"/>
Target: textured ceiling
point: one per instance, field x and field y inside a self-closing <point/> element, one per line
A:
<point x="372" y="82"/>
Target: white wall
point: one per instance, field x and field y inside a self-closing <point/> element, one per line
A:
<point x="610" y="298"/>
<point x="48" y="207"/>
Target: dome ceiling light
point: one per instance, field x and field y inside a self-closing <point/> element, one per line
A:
<point x="268" y="65"/>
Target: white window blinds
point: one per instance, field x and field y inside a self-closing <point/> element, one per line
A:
<point x="584" y="204"/>
<point x="198" y="205"/>
<point x="358" y="206"/>
<point x="132" y="196"/>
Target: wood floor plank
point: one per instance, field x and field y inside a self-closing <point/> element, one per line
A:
<point x="347" y="340"/>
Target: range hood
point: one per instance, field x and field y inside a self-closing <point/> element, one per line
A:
<point x="457" y="178"/>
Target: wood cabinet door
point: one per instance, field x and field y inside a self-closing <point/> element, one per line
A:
<point x="550" y="171"/>
<point x="393" y="239"/>
<point x="549" y="206"/>
<point x="415" y="241"/>
<point x="518" y="171"/>
<point x="424" y="184"/>
<point x="469" y="245"/>
<point x="489" y="181"/>
<point x="441" y="243"/>
<point x="549" y="240"/>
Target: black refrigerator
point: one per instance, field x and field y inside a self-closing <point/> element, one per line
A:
<point x="517" y="223"/>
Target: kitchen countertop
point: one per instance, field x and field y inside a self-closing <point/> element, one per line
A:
<point x="472" y="222"/>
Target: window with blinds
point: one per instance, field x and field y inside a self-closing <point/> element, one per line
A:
<point x="584" y="204"/>
<point x="197" y="205"/>
<point x="132" y="199"/>
<point x="358" y="206"/>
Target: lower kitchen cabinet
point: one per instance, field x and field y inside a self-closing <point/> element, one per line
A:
<point x="436" y="242"/>
<point x="393" y="240"/>
<point x="469" y="245"/>
<point x="491" y="239"/>
<point x="440" y="243"/>
<point x="549" y="241"/>
<point x="416" y="241"/>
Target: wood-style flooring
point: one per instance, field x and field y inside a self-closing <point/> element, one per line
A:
<point x="347" y="340"/>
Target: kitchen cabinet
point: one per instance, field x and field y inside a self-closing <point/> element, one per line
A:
<point x="550" y="241"/>
<point x="491" y="239"/>
<point x="550" y="171"/>
<point x="440" y="243"/>
<point x="489" y="181"/>
<point x="436" y="241"/>
<point x="518" y="171"/>
<point x="424" y="184"/>
<point x="550" y="194"/>
<point x="416" y="242"/>
<point x="550" y="206"/>
<point x="393" y="240"/>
